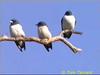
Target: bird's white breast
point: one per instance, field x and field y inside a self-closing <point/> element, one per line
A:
<point x="44" y="32"/>
<point x="69" y="22"/>
<point x="16" y="30"/>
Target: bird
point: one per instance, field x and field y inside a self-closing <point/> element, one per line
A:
<point x="44" y="33"/>
<point x="16" y="30"/>
<point x="68" y="22"/>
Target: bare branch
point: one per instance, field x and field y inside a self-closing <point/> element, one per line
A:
<point x="75" y="32"/>
<point x="42" y="41"/>
<point x="71" y="46"/>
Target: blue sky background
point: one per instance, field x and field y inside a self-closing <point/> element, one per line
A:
<point x="61" y="59"/>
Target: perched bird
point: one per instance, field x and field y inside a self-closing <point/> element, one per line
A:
<point x="68" y="22"/>
<point x="44" y="33"/>
<point x="17" y="31"/>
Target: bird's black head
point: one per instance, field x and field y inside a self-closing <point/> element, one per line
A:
<point x="68" y="12"/>
<point x="13" y="22"/>
<point x="41" y="23"/>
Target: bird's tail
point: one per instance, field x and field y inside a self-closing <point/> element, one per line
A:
<point x="20" y="45"/>
<point x="48" y="46"/>
<point x="67" y="35"/>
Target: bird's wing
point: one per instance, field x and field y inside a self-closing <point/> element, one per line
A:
<point x="75" y="22"/>
<point x="20" y="31"/>
<point x="16" y="30"/>
<point x="44" y="32"/>
<point x="62" y="23"/>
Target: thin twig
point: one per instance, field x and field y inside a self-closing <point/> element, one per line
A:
<point x="74" y="32"/>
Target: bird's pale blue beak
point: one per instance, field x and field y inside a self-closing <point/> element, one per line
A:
<point x="11" y="21"/>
